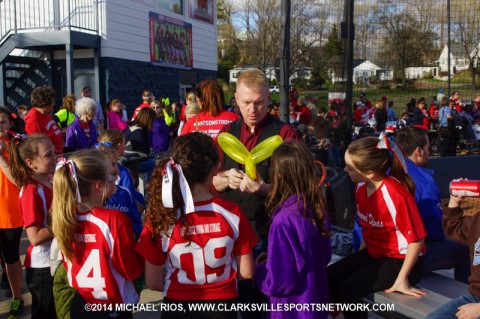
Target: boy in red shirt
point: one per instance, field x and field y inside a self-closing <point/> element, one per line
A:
<point x="39" y="120"/>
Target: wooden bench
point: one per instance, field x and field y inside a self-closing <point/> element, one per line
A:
<point x="440" y="290"/>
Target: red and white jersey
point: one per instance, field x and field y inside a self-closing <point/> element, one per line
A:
<point x="389" y="218"/>
<point x="105" y="262"/>
<point x="200" y="261"/>
<point x="35" y="202"/>
<point x="35" y="122"/>
<point x="208" y="124"/>
<point x="141" y="106"/>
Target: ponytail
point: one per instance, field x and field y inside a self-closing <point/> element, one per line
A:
<point x="159" y="216"/>
<point x="399" y="174"/>
<point x="71" y="182"/>
<point x="64" y="212"/>
<point x="371" y="154"/>
<point x="20" y="149"/>
<point x="196" y="154"/>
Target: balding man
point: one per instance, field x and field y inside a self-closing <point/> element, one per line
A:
<point x="255" y="126"/>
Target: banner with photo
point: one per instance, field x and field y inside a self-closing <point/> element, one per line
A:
<point x="201" y="10"/>
<point x="175" y="6"/>
<point x="170" y="42"/>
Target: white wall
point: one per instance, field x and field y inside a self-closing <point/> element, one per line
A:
<point x="127" y="33"/>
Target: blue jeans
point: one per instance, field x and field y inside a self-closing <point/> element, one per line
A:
<point x="447" y="254"/>
<point x="449" y="310"/>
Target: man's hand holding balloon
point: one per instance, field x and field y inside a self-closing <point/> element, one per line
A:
<point x="257" y="186"/>
<point x="234" y="177"/>
<point x="250" y="181"/>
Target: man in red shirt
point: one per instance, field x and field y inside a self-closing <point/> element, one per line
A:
<point x="39" y="120"/>
<point x="256" y="125"/>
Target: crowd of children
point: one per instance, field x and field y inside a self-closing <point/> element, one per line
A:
<point x="83" y="214"/>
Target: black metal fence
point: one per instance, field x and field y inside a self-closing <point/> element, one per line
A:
<point x="412" y="57"/>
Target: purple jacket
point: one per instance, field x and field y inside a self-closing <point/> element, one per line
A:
<point x="77" y="139"/>
<point x="296" y="267"/>
<point x="160" y="135"/>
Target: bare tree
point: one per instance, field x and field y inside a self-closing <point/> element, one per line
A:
<point x="404" y="44"/>
<point x="261" y="21"/>
<point x="310" y="24"/>
<point x="467" y="32"/>
<point x="366" y="28"/>
<point x="228" y="44"/>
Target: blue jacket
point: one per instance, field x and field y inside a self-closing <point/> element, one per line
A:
<point x="77" y="139"/>
<point x="123" y="201"/>
<point x="428" y="199"/>
<point x="126" y="181"/>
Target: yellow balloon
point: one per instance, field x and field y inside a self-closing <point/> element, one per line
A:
<point x="250" y="169"/>
<point x="233" y="147"/>
<point x="239" y="153"/>
<point x="265" y="149"/>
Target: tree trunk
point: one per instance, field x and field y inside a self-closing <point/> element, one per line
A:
<point x="472" y="74"/>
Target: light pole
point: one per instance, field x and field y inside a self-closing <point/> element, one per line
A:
<point x="285" y="60"/>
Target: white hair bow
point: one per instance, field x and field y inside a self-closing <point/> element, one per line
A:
<point x="71" y="165"/>
<point x="167" y="183"/>
<point x="385" y="143"/>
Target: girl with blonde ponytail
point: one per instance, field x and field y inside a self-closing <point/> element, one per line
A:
<point x="97" y="243"/>
<point x="392" y="229"/>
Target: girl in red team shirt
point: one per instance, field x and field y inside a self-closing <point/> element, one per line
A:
<point x="98" y="244"/>
<point x="393" y="232"/>
<point x="32" y="162"/>
<point x="203" y="242"/>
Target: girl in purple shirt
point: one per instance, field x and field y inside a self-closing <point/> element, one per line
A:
<point x="299" y="250"/>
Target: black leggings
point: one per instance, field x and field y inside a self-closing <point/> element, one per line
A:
<point x="359" y="274"/>
<point x="10" y="244"/>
